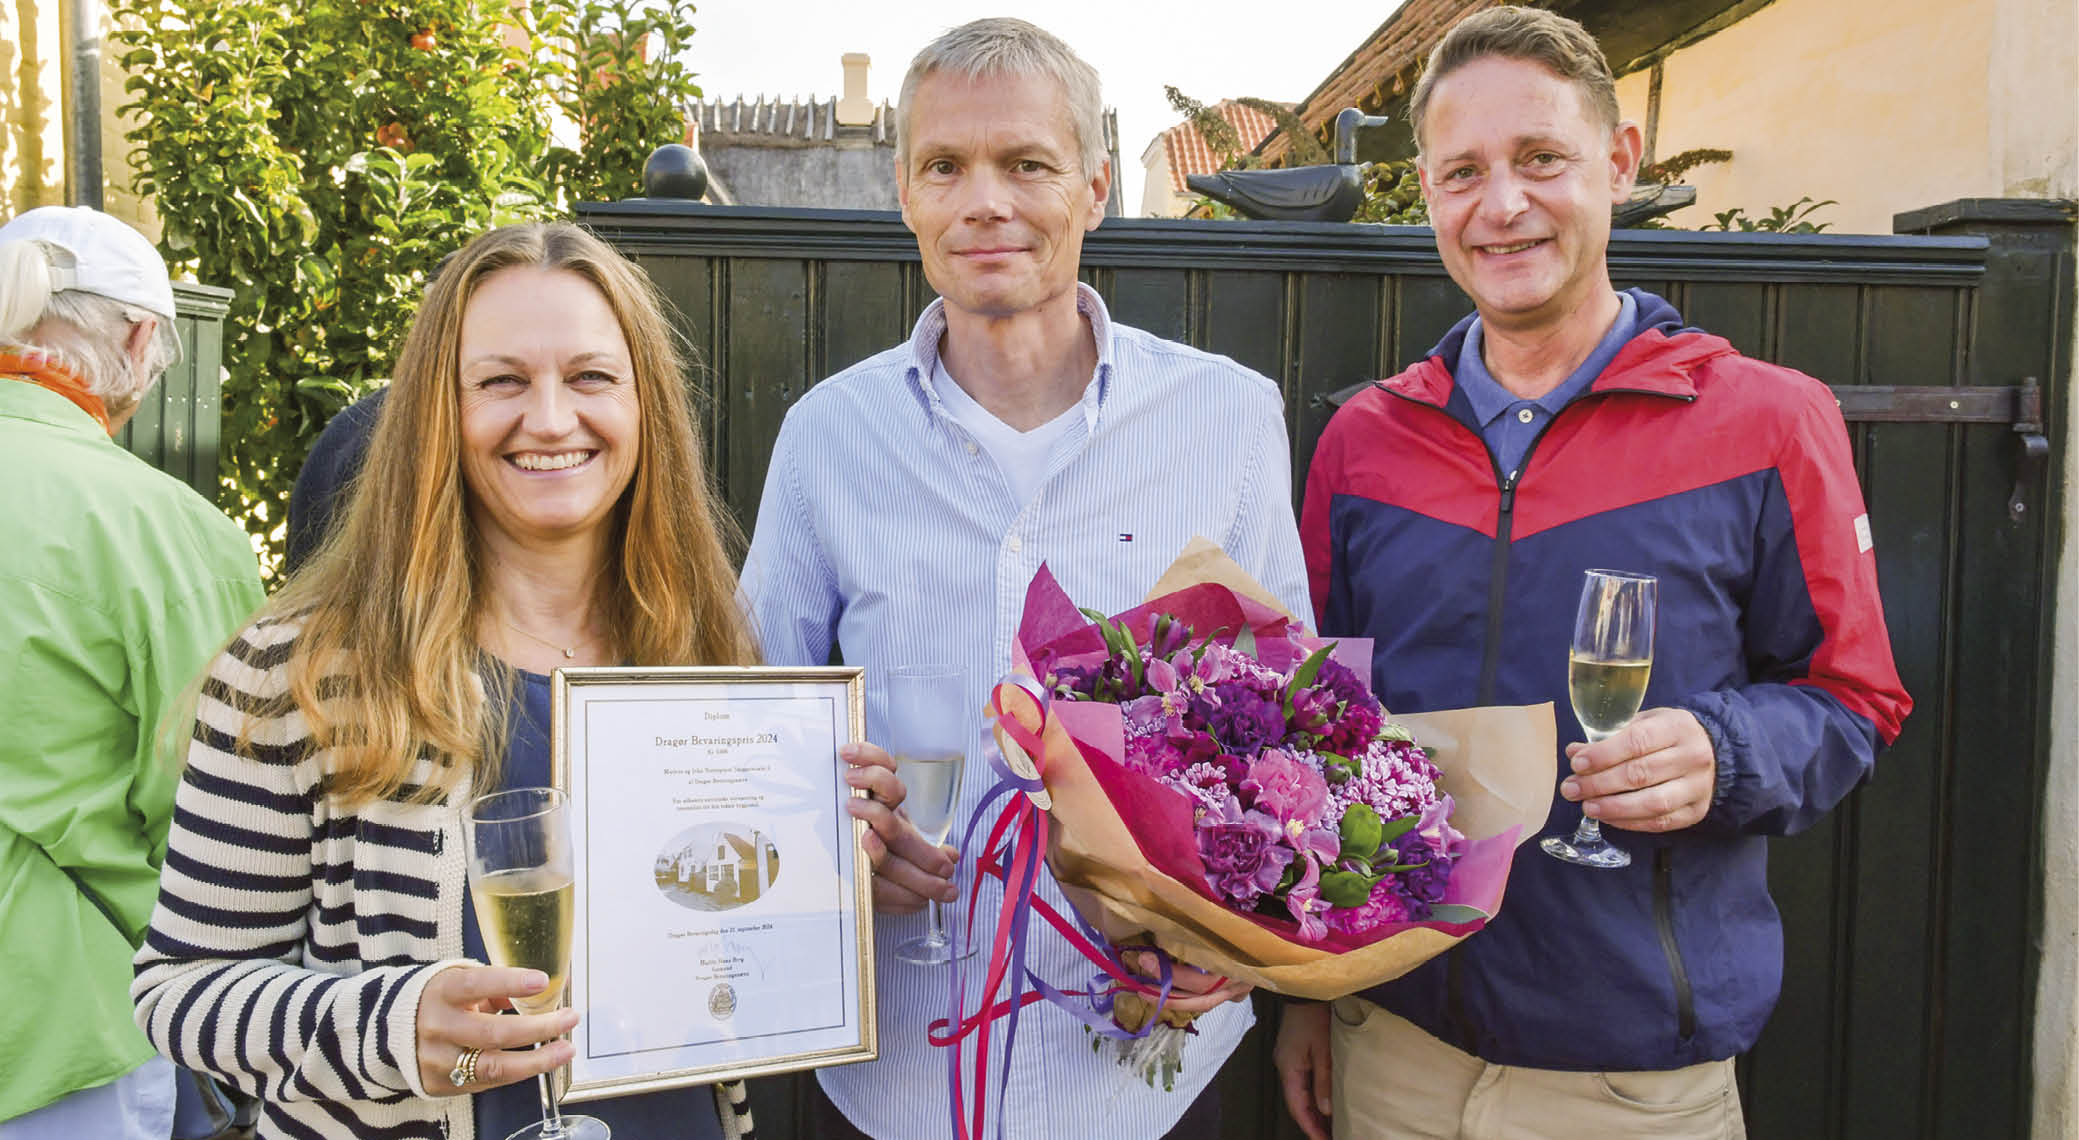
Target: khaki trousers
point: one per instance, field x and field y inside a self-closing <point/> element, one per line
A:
<point x="1394" y="1080"/>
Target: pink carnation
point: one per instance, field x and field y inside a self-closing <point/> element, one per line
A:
<point x="1287" y="787"/>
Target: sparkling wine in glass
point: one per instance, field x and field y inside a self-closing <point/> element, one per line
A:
<point x="1606" y="674"/>
<point x="929" y="725"/>
<point x="520" y="879"/>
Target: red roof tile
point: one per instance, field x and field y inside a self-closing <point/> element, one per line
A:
<point x="1187" y="149"/>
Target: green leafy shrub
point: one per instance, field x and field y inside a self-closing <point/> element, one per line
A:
<point x="1795" y="218"/>
<point x="623" y="82"/>
<point x="1393" y="194"/>
<point x="320" y="157"/>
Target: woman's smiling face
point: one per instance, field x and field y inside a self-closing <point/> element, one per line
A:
<point x="550" y="420"/>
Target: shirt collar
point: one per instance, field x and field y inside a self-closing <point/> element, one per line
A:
<point x="23" y="398"/>
<point x="931" y="328"/>
<point x="1489" y="399"/>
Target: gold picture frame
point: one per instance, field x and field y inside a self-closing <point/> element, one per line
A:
<point x="723" y="782"/>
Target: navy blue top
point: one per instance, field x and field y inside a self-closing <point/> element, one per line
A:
<point x="674" y="1114"/>
<point x="1508" y="423"/>
<point x="333" y="462"/>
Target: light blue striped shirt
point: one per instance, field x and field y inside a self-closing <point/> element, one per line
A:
<point x="887" y="528"/>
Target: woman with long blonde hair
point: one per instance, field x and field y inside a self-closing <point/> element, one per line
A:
<point x="534" y="496"/>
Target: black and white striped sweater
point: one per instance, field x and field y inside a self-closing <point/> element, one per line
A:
<point x="292" y="940"/>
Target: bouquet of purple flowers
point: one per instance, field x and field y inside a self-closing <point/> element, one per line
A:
<point x="1307" y="804"/>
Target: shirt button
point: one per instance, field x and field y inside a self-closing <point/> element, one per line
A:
<point x="971" y="447"/>
<point x="1013" y="544"/>
<point x="1523" y="416"/>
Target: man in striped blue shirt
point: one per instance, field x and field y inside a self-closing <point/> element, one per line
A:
<point x="912" y="497"/>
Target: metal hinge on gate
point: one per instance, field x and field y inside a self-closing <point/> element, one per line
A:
<point x="2019" y="406"/>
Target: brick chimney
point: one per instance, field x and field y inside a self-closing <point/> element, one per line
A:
<point x="855" y="109"/>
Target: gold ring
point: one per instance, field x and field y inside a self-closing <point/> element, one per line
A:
<point x="464" y="1071"/>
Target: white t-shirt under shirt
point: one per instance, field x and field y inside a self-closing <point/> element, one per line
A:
<point x="1021" y="455"/>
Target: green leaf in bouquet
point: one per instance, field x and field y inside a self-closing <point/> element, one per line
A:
<point x="1338" y="769"/>
<point x="1456" y="912"/>
<point x="1093" y="615"/>
<point x="1345" y="888"/>
<point x="1305" y="674"/>
<point x="1392" y="731"/>
<point x="1361" y="832"/>
<point x="1394" y="829"/>
<point x="1245" y="642"/>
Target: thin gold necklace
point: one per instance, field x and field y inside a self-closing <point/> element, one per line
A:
<point x="568" y="652"/>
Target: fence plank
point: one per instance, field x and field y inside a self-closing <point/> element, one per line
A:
<point x="863" y="312"/>
<point x="1819" y="331"/>
<point x="1892" y="877"/>
<point x="766" y="351"/>
<point x="1735" y="310"/>
<point x="1336" y="346"/>
<point x="1245" y="319"/>
<point x="1155" y="300"/>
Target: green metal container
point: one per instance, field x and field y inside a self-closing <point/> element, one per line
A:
<point x="180" y="425"/>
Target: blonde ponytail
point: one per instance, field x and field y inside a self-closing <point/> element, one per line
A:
<point x="25" y="288"/>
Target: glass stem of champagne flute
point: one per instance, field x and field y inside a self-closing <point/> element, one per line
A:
<point x="551" y="1112"/>
<point x="1590" y="830"/>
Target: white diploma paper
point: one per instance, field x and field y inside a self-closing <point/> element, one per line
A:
<point x="717" y="916"/>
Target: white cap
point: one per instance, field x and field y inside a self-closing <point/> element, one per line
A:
<point x="95" y="253"/>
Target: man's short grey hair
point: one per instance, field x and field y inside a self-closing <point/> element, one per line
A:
<point x="1001" y="46"/>
<point x="83" y="333"/>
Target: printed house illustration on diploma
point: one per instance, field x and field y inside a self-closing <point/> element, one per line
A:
<point x="717" y="866"/>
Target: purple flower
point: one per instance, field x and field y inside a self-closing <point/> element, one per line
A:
<point x="1385" y="905"/>
<point x="1243" y="858"/>
<point x="1206" y="783"/>
<point x="1343" y="683"/>
<point x="1161" y="676"/>
<point x="1226" y="663"/>
<point x="1306" y="906"/>
<point x="1074" y="681"/>
<point x="1424" y="884"/>
<point x="1288" y="788"/>
<point x="1395" y="779"/>
<point x="1242" y="720"/>
<point x="1313" y="710"/>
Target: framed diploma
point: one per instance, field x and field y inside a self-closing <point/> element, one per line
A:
<point x="723" y="912"/>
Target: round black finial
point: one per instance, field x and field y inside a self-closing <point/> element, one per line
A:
<point x="674" y="171"/>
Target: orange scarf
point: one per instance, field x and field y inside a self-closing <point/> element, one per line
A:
<point x="37" y="368"/>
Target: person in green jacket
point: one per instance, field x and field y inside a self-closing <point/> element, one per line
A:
<point x="117" y="585"/>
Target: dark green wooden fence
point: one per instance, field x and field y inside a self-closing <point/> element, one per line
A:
<point x="179" y="427"/>
<point x="1911" y="914"/>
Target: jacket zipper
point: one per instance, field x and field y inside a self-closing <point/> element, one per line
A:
<point x="1490" y="670"/>
<point x="1664" y="922"/>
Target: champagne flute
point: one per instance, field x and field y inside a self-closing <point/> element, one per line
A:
<point x="520" y="878"/>
<point x="929" y="725"/>
<point x="1607" y="669"/>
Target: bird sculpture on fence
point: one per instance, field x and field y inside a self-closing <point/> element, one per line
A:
<point x="1302" y="193"/>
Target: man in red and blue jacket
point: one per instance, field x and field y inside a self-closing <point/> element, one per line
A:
<point x="1449" y="515"/>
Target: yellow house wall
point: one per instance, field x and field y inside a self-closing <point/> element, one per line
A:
<point x="1882" y="105"/>
<point x="32" y="114"/>
<point x="1157" y="199"/>
<point x="36" y="115"/>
